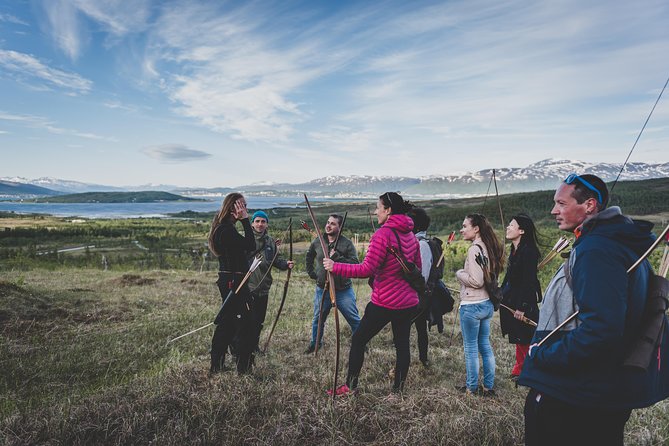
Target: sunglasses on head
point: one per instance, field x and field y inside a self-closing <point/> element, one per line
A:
<point x="573" y="177"/>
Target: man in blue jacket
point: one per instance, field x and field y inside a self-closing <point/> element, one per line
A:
<point x="580" y="391"/>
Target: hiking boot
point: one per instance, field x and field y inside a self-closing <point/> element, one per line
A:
<point x="312" y="348"/>
<point x="467" y="391"/>
<point x="342" y="390"/>
<point x="489" y="393"/>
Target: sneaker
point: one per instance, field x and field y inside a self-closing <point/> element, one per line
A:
<point x="426" y="363"/>
<point x="342" y="390"/>
<point x="310" y="349"/>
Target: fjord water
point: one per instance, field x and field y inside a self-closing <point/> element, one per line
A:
<point x="160" y="209"/>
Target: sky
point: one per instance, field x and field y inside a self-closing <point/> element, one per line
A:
<point x="229" y="93"/>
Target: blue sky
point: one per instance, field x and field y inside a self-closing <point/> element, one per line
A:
<point x="218" y="93"/>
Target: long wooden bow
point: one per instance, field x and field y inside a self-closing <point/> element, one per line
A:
<point x="333" y="296"/>
<point x="285" y="285"/>
<point x="501" y="215"/>
<point x="320" y="311"/>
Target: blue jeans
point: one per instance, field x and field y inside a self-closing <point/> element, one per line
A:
<point x="345" y="304"/>
<point x="475" y="326"/>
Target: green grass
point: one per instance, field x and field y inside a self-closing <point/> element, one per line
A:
<point x="84" y="359"/>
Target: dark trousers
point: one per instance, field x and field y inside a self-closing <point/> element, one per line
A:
<point x="260" y="311"/>
<point x="421" y="331"/>
<point x="238" y="321"/>
<point x="552" y="422"/>
<point x="372" y="322"/>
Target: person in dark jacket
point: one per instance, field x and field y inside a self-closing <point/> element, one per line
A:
<point x="421" y="223"/>
<point x="520" y="288"/>
<point x="345" y="253"/>
<point x="261" y="279"/>
<point x="237" y="317"/>
<point x="580" y="391"/>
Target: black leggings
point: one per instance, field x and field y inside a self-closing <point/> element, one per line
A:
<point x="374" y="319"/>
<point x="421" y="331"/>
<point x="238" y="320"/>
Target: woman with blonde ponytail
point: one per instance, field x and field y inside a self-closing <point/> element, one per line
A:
<point x="232" y="248"/>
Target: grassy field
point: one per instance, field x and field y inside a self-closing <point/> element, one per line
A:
<point x="84" y="357"/>
<point x="85" y="360"/>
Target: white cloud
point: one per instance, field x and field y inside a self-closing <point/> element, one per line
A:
<point x="12" y="19"/>
<point x="175" y="153"/>
<point x="28" y="67"/>
<point x="39" y="122"/>
<point x="118" y="16"/>
<point x="65" y="26"/>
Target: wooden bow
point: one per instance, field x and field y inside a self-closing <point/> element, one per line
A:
<point x="285" y="285"/>
<point x="501" y="215"/>
<point x="333" y="296"/>
<point x="320" y="310"/>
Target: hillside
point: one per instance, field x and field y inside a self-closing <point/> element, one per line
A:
<point x="637" y="198"/>
<point x="14" y="189"/>
<point x="116" y="197"/>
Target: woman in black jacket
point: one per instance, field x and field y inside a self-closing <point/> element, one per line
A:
<point x="237" y="317"/>
<point x="521" y="288"/>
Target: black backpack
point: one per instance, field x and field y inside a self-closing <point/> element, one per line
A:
<point x="440" y="299"/>
<point x="436" y="248"/>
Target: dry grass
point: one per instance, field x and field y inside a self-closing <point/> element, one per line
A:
<point x="84" y="360"/>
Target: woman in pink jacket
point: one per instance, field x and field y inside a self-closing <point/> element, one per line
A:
<point x="393" y="300"/>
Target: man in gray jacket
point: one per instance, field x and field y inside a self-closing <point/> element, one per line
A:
<point x="345" y="252"/>
<point x="267" y="247"/>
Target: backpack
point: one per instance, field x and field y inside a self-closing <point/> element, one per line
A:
<point x="410" y="272"/>
<point x="648" y="338"/>
<point x="440" y="299"/>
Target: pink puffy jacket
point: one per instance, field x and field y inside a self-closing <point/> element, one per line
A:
<point x="389" y="289"/>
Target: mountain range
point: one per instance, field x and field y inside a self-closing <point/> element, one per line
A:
<point x="541" y="175"/>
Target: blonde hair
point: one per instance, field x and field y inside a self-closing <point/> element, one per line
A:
<point x="223" y="213"/>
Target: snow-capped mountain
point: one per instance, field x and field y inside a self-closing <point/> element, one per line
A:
<point x="542" y="175"/>
<point x="65" y="186"/>
<point x="15" y="189"/>
<point x="545" y="174"/>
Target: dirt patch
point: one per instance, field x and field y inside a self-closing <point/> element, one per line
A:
<point x="9" y="288"/>
<point x="134" y="280"/>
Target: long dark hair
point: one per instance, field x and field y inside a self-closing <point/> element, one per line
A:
<point x="490" y="240"/>
<point x="528" y="239"/>
<point x="225" y="212"/>
<point x="395" y="201"/>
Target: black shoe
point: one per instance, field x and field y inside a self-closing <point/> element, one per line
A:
<point x="217" y="364"/>
<point x="310" y="349"/>
<point x="426" y="363"/>
<point x="489" y="393"/>
<point x="465" y="390"/>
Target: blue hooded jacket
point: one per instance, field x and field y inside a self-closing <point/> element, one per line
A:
<point x="583" y="366"/>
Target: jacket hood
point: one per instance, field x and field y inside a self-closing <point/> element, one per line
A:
<point x="611" y="223"/>
<point x="399" y="222"/>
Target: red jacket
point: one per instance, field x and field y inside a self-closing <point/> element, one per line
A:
<point x="389" y="289"/>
